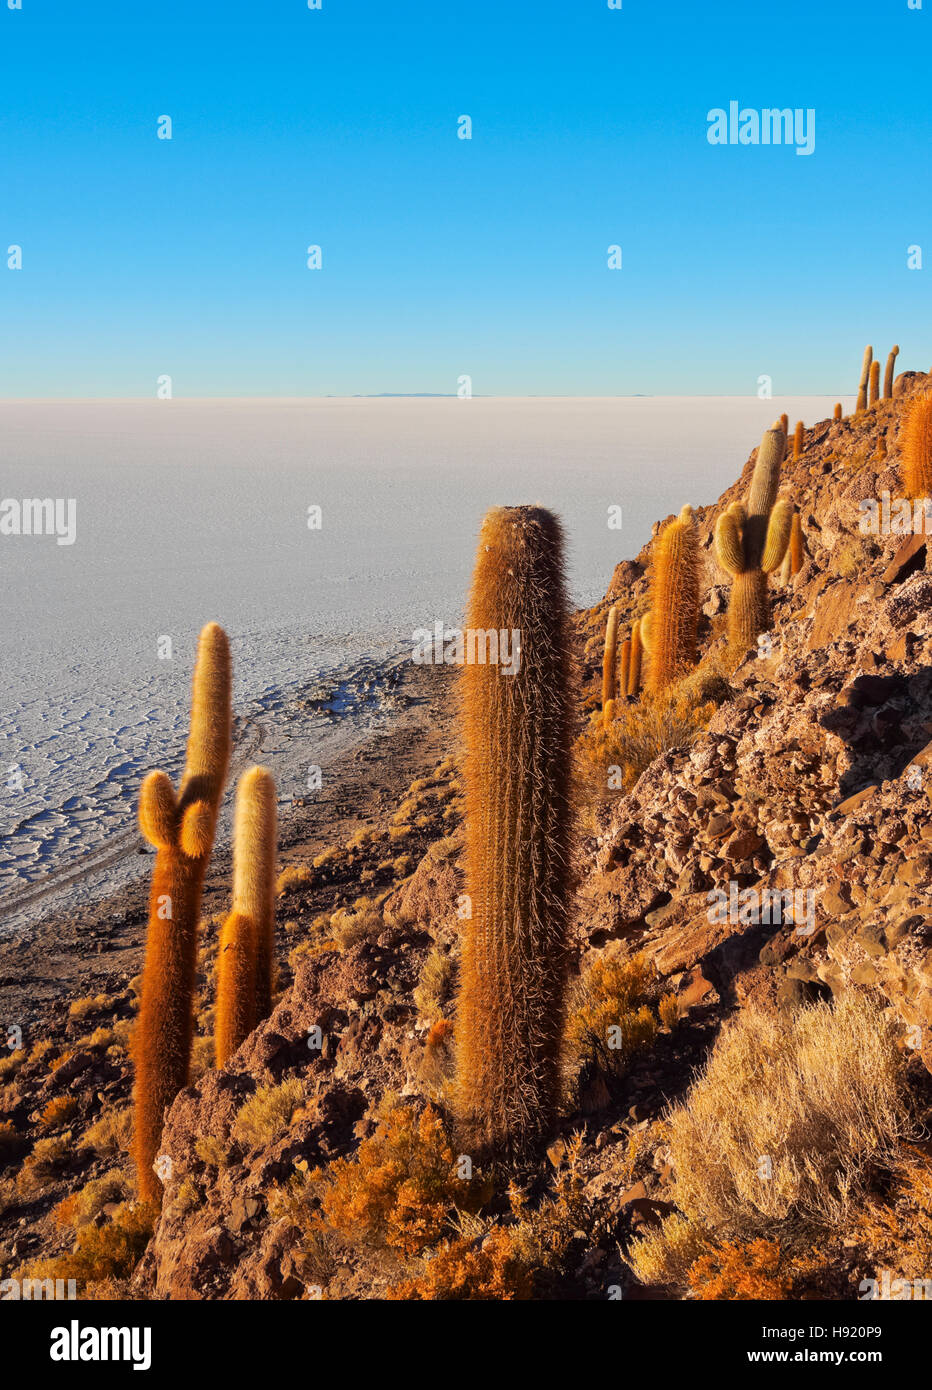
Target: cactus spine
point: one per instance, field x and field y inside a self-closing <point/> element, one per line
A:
<point x="517" y="731"/>
<point x="608" y="666"/>
<point x="798" y="439"/>
<point x="917" y="449"/>
<point x="751" y="541"/>
<point x="247" y="944"/>
<point x="875" y="382"/>
<point x="888" y="373"/>
<point x="634" y="665"/>
<point x="182" y="830"/>
<point x="670" y="639"/>
<point x="865" y="375"/>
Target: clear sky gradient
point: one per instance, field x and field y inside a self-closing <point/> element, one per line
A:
<point x="444" y="257"/>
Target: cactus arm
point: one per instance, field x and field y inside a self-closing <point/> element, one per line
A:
<point x="778" y="536"/>
<point x="728" y="548"/>
<point x="158" y="810"/>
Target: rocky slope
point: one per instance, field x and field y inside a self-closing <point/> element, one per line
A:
<point x="811" y="779"/>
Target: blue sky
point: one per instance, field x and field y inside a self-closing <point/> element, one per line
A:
<point x="444" y="257"/>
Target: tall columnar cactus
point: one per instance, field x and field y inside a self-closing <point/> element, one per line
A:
<point x="865" y="376"/>
<point x="837" y="414"/>
<point x="517" y="733"/>
<point x="751" y="540"/>
<point x="785" y="423"/>
<point x="798" y="439"/>
<point x="634" y="665"/>
<point x="247" y="945"/>
<point x="181" y="827"/>
<point x="888" y="373"/>
<point x="608" y="666"/>
<point x="874" y="388"/>
<point x="917" y="449"/>
<point x="624" y="666"/>
<point x="670" y="636"/>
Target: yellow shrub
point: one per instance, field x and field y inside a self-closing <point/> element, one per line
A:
<point x="267" y="1112"/>
<point x="293" y="877"/>
<point x="609" y="1020"/>
<point x="401" y="1188"/>
<point x="58" y="1112"/>
<point x="103" y="1252"/>
<point x="645" y="729"/>
<point x="491" y="1269"/>
<point x="110" y="1134"/>
<point x="89" y="1201"/>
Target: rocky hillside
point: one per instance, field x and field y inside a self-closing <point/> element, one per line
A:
<point x="289" y="1173"/>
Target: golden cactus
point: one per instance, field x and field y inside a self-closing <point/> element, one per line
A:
<point x="624" y="666"/>
<point x="917" y="449"/>
<point x="785" y="423"/>
<point x="608" y="666"/>
<point x="795" y="551"/>
<point x="634" y="663"/>
<point x="837" y="414"/>
<point x="182" y="830"/>
<point x="247" y="945"/>
<point x="517" y="734"/>
<point x="874" y="387"/>
<point x="865" y="376"/>
<point x="236" y="986"/>
<point x="888" y="373"/>
<point x="751" y="541"/>
<point x="798" y="439"/>
<point x="669" y="637"/>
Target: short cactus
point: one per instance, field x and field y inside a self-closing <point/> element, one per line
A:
<point x="670" y="636"/>
<point x="865" y="377"/>
<point x="182" y="830"/>
<point x="517" y="772"/>
<point x="751" y="541"/>
<point x="624" y="666"/>
<point x="785" y="423"/>
<point x="798" y="439"/>
<point x="634" y="664"/>
<point x="874" y="387"/>
<point x="837" y="413"/>
<point x="795" y="551"/>
<point x="917" y="449"/>
<point x="608" y="666"/>
<point x="245" y="963"/>
<point x="888" y="373"/>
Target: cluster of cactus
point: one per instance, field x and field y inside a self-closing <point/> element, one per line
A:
<point x="181" y="828"/>
<point x="869" y="383"/>
<point x="517" y="732"/>
<point x="669" y="630"/>
<point x="751" y="541"/>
